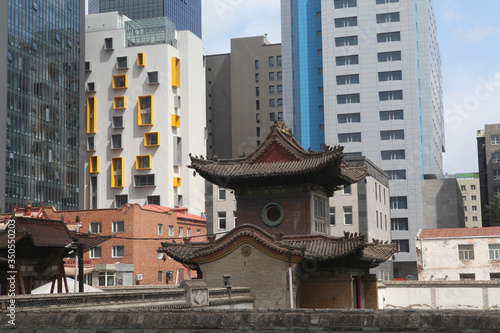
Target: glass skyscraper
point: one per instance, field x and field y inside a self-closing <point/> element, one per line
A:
<point x="43" y="51"/>
<point x="186" y="14"/>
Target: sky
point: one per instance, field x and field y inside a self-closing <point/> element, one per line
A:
<point x="469" y="41"/>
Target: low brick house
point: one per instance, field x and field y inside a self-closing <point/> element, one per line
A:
<point x="130" y="256"/>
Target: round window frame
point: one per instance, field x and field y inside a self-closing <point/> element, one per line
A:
<point x="263" y="214"/>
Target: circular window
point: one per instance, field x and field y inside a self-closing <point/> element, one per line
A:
<point x="272" y="214"/>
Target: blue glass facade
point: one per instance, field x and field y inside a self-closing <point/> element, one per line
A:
<point x="42" y="103"/>
<point x="186" y="14"/>
<point x="308" y="80"/>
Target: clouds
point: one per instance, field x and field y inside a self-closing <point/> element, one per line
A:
<point x="476" y="34"/>
<point x="226" y="19"/>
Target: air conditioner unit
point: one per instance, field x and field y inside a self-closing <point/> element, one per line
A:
<point x="138" y="277"/>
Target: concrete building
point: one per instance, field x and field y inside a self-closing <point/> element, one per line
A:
<point x="138" y="132"/>
<point x="186" y="15"/>
<point x="364" y="208"/>
<point x="463" y="254"/>
<point x="43" y="76"/>
<point x="129" y="257"/>
<point x="471" y="196"/>
<point x="488" y="153"/>
<point x="367" y="75"/>
<point x="443" y="202"/>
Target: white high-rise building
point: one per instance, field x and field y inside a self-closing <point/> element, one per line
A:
<point x="366" y="74"/>
<point x="145" y="113"/>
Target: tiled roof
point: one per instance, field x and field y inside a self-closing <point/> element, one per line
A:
<point x="278" y="159"/>
<point x="317" y="247"/>
<point x="460" y="232"/>
<point x="182" y="213"/>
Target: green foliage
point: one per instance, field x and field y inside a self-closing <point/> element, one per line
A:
<point x="493" y="211"/>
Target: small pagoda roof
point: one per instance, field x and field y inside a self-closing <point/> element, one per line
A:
<point x="279" y="160"/>
<point x="315" y="247"/>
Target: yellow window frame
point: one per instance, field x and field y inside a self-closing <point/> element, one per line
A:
<point x="138" y="163"/>
<point x="91" y="115"/>
<point x="117" y="77"/>
<point x="141" y="59"/>
<point x="147" y="141"/>
<point x="117" y="99"/>
<point x="117" y="172"/>
<point x="176" y="72"/>
<point x="94" y="164"/>
<point x="177" y="181"/>
<point x="142" y="116"/>
<point x="176" y="120"/>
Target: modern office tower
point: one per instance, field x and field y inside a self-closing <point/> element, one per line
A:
<point x="244" y="99"/>
<point x="40" y="115"/>
<point x="367" y="75"/>
<point x="186" y="15"/>
<point x="471" y="195"/>
<point x="145" y="113"/>
<point x="488" y="153"/>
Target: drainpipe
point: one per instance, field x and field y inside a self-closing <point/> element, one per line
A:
<point x="290" y="278"/>
<point x="358" y="292"/>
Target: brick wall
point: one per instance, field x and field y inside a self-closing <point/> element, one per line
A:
<point x="139" y="223"/>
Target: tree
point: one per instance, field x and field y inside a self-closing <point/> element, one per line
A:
<point x="493" y="211"/>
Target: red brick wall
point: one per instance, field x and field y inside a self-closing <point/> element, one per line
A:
<point x="138" y="223"/>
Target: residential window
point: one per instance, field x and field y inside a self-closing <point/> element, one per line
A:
<point x="399" y="202"/>
<point x="348" y="79"/>
<point x="463" y="187"/>
<point x="188" y="232"/>
<point x="271" y="90"/>
<point x="494" y="276"/>
<point x="96" y="252"/>
<point x="392" y="135"/>
<point x="388" y="17"/>
<point x="146" y="110"/>
<point x="348" y="189"/>
<point x="153" y="77"/>
<point x="257" y="118"/>
<point x="118" y="122"/>
<point x="390" y="95"/>
<point x="390" y="76"/>
<point x="160" y="229"/>
<point x="391" y="115"/>
<point x="496" y="190"/>
<point x="171" y="231"/>
<point x="140" y="59"/>
<point x="280" y="76"/>
<point x="120" y="81"/>
<point x="495" y="139"/>
<point x="494" y="250"/>
<point x="344" y="3"/>
<point x="90" y="86"/>
<point x="257" y="91"/>
<point x="106" y="279"/>
<point x="95" y="227"/>
<point x="121" y="62"/>
<point x="108" y="43"/>
<point x="119" y="102"/>
<point x="90" y="143"/>
<point x="280" y="114"/>
<point x="118" y="251"/>
<point x="346" y="22"/>
<point x="153" y="200"/>
<point x="94" y="164"/>
<point x="222" y="220"/>
<point x="278" y="61"/>
<point x="348" y="215"/>
<point x="181" y="232"/>
<point x="222" y="193"/>
<point x="348" y="99"/>
<point x="116" y="141"/>
<point x="473" y="187"/>
<point x="465" y="208"/>
<point x="388" y="37"/>
<point x="272" y="116"/>
<point x="332" y="215"/>
<point x="393" y="154"/>
<point x="87" y="66"/>
<point x="349" y="137"/>
<point x="143" y="162"/>
<point x="257" y="105"/>
<point x="271" y="62"/>
<point x="271" y="76"/>
<point x="280" y="90"/>
<point x="466" y="252"/>
<point x="396" y="174"/>
<point x="496" y="174"/>
<point x="272" y="103"/>
<point x="257" y="131"/>
<point x="474" y="208"/>
<point x="118" y="226"/>
<point x="495" y="157"/>
<point x="144" y="180"/>
<point x="347" y="60"/>
<point x="344" y="118"/>
<point x="151" y="139"/>
<point x="117" y="172"/>
<point x="257" y="78"/>
<point x="280" y="102"/>
<point x="257" y="65"/>
<point x="474" y="219"/>
<point x="403" y="245"/>
<point x="120" y="200"/>
<point x="346" y="41"/>
<point x="467" y="276"/>
<point x="389" y="56"/>
<point x="399" y="223"/>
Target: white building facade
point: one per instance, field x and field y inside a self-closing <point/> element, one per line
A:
<point x="367" y="75"/>
<point x="145" y="113"/>
<point x="458" y="254"/>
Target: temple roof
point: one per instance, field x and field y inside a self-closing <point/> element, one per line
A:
<point x="280" y="159"/>
<point x="314" y="247"/>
